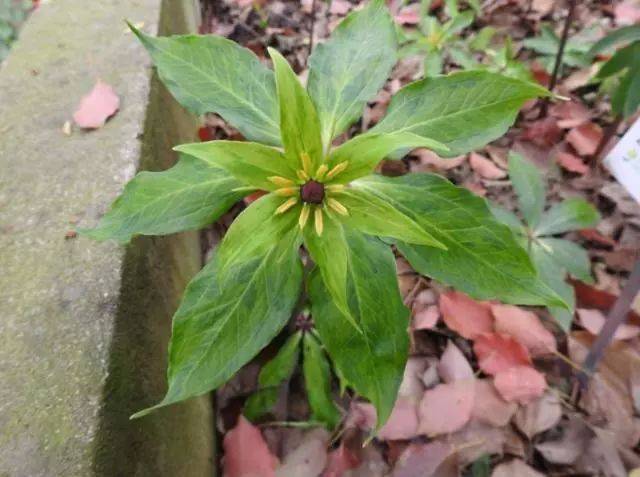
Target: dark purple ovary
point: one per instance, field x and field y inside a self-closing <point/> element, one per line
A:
<point x="312" y="192"/>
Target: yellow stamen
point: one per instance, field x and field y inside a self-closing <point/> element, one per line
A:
<point x="322" y="170"/>
<point x="286" y="191"/>
<point x="287" y="205"/>
<point x="304" y="215"/>
<point x="281" y="181"/>
<point x="302" y="175"/>
<point x="337" y="206"/>
<point x="306" y="162"/>
<point x="317" y="215"/>
<point x="335" y="188"/>
<point x="337" y="169"/>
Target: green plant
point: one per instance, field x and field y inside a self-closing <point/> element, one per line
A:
<point x="553" y="257"/>
<point x="575" y="51"/>
<point x="12" y="14"/>
<point x="623" y="68"/>
<point x="325" y="198"/>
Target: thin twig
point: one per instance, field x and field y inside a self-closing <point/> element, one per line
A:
<point x="615" y="318"/>
<point x="556" y="67"/>
<point x="311" y="28"/>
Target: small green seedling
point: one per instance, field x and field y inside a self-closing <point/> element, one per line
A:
<point x="621" y="73"/>
<point x="326" y="198"/>
<point x="547" y="45"/>
<point x="553" y="257"/>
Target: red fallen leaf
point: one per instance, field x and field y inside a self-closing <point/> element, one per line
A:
<point x="485" y="168"/>
<point x="594" y="236"/>
<point x="525" y="327"/>
<point x="475" y="187"/>
<point x="515" y="468"/>
<point x="489" y="407"/>
<point x="446" y="408"/>
<point x="585" y="138"/>
<point x="403" y="421"/>
<point x="570" y="114"/>
<point x="341" y="460"/>
<point x="627" y="13"/>
<point x="464" y="315"/>
<point x="340" y="7"/>
<point x="498" y="352"/>
<point x="429" y="161"/>
<point x="593" y="321"/>
<point x="426" y="460"/>
<point x="571" y="163"/>
<point x="540" y="74"/>
<point x="544" y="132"/>
<point x="204" y="134"/>
<point x="453" y="365"/>
<point x="96" y="107"/>
<point x="521" y="384"/>
<point x="590" y="297"/>
<point x="409" y="15"/>
<point x="246" y="453"/>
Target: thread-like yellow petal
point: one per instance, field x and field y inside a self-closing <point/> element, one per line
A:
<point x="306" y="162"/>
<point x="304" y="215"/>
<point x="286" y="191"/>
<point x="337" y="169"/>
<point x="317" y="215"/>
<point x="281" y="181"/>
<point x="302" y="175"/>
<point x="287" y="205"/>
<point x="337" y="206"/>
<point x="335" y="188"/>
<point x="322" y="170"/>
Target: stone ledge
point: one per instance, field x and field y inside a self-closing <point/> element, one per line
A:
<point x="83" y="325"/>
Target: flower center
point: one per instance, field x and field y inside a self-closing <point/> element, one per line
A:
<point x="312" y="192"/>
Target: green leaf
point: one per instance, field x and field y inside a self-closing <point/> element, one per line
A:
<point x="433" y="63"/>
<point x="507" y="217"/>
<point x="249" y="162"/>
<point x="570" y="256"/>
<point x="237" y="304"/>
<point x="529" y="186"/>
<point x="626" y="99"/>
<point x="188" y="196"/>
<point x="463" y="110"/>
<point x="482" y="257"/>
<point x="298" y="118"/>
<point x="625" y="34"/>
<point x="458" y="23"/>
<point x="317" y="379"/>
<point x="371" y="361"/>
<point x="376" y="215"/>
<point x="348" y="69"/>
<point x="571" y="214"/>
<point x="272" y="375"/>
<point x="623" y="58"/>
<point x="365" y="151"/>
<point x="210" y="74"/>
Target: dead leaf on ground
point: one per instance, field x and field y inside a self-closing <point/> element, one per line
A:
<point x="453" y="365"/>
<point x="427" y="460"/>
<point x="446" y="408"/>
<point x="515" y="468"/>
<point x="309" y="458"/>
<point x="403" y="421"/>
<point x="594" y="320"/>
<point x="627" y="12"/>
<point x="539" y="415"/>
<point x="520" y="384"/>
<point x="489" y="407"/>
<point x="426" y="318"/>
<point x="497" y="352"/>
<point x="525" y="327"/>
<point x="572" y="443"/>
<point x="485" y="167"/>
<point x="467" y="317"/>
<point x="340" y="461"/>
<point x="571" y="163"/>
<point x="476" y="440"/>
<point x="585" y="138"/>
<point x="246" y="452"/>
<point x="97" y="106"/>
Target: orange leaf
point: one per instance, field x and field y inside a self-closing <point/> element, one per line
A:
<point x="525" y="327"/>
<point x="521" y="384"/>
<point x="498" y="352"/>
<point x="246" y="452"/>
<point x="467" y="317"/>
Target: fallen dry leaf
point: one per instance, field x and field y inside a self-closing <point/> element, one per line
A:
<point x="485" y="168"/>
<point x="585" y="138"/>
<point x="601" y="456"/>
<point x="446" y="408"/>
<point x="403" y="422"/>
<point x="409" y="15"/>
<point x="340" y="461"/>
<point x="489" y="407"/>
<point x="412" y="386"/>
<point x="571" y="163"/>
<point x="593" y="321"/>
<point x="497" y="352"/>
<point x="539" y="415"/>
<point x="520" y="384"/>
<point x="627" y="12"/>
<point x="543" y="132"/>
<point x="476" y="440"/>
<point x="426" y="318"/>
<point x="573" y="442"/>
<point x="246" y="453"/>
<point x="525" y="327"/>
<point x="361" y="415"/>
<point x="309" y="458"/>
<point x="97" y="106"/>
<point x="340" y="7"/>
<point x="426" y="460"/>
<point x="453" y="365"/>
<point x="570" y="114"/>
<point x="430" y="161"/>
<point x="515" y="468"/>
<point x="465" y="316"/>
